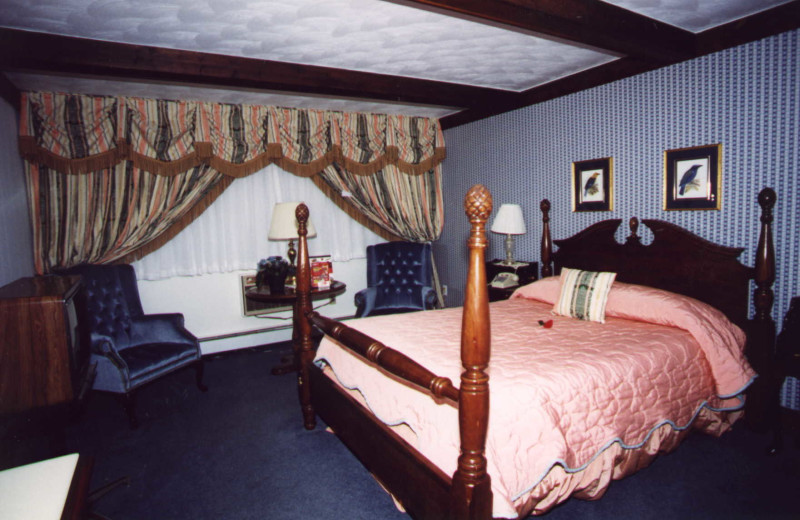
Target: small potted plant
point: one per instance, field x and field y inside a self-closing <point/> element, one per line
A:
<point x="273" y="271"/>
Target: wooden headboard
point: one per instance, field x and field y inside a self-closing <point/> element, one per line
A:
<point x="677" y="260"/>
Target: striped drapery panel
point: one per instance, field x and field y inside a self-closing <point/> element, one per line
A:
<point x="106" y="216"/>
<point x="403" y="205"/>
<point x="111" y="179"/>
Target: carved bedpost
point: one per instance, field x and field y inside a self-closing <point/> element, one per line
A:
<point x="762" y="396"/>
<point x="471" y="493"/>
<point x="765" y="258"/>
<point x="547" y="242"/>
<point x="303" y="348"/>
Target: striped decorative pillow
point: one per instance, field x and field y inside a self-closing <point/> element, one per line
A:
<point x="584" y="294"/>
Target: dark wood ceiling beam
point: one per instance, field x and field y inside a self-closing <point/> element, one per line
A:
<point x="590" y="23"/>
<point x="9" y="92"/>
<point x="46" y="53"/>
<point x="590" y="78"/>
<point x="767" y="23"/>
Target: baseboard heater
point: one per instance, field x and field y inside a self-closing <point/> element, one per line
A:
<point x="259" y="331"/>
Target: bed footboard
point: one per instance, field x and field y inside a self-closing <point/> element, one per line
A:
<point x="423" y="489"/>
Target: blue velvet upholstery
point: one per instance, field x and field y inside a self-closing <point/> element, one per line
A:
<point x="399" y="279"/>
<point x="129" y="347"/>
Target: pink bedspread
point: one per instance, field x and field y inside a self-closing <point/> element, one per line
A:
<point x="559" y="396"/>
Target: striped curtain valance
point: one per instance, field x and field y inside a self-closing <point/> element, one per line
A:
<point x="73" y="133"/>
<point x="111" y="179"/>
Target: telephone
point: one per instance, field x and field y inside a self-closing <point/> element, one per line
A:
<point x="505" y="280"/>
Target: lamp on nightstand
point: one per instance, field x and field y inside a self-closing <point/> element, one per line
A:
<point x="509" y="221"/>
<point x="284" y="227"/>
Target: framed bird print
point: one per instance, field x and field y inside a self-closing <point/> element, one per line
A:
<point x="593" y="185"/>
<point x="692" y="177"/>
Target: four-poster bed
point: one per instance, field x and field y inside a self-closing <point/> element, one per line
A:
<point x="676" y="261"/>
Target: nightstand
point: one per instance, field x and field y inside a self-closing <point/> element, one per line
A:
<point x="527" y="272"/>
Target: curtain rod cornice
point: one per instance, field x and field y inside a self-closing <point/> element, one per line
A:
<point x="169" y="137"/>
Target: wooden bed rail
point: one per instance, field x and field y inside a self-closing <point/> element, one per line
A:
<point x="390" y="360"/>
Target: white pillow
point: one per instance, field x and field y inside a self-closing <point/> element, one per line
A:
<point x="584" y="294"/>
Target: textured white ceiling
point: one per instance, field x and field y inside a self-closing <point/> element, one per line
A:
<point x="696" y="15"/>
<point x="363" y="35"/>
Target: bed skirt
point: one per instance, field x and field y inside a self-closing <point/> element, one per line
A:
<point x="588" y="483"/>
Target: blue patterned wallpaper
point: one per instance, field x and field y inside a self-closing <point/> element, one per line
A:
<point x="746" y="98"/>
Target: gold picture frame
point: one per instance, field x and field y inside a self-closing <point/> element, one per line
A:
<point x="693" y="178"/>
<point x="593" y="185"/>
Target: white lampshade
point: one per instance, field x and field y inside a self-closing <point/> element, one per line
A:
<point x="509" y="220"/>
<point x="284" y="223"/>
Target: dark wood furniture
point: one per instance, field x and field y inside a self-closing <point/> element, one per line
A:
<point x="77" y="503"/>
<point x="684" y="263"/>
<point x="289" y="297"/>
<point x="43" y="361"/>
<point x="527" y="271"/>
<point x="423" y="489"/>
<point x="787" y="363"/>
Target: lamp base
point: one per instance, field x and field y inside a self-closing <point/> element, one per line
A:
<point x="292" y="254"/>
<point x="509" y="250"/>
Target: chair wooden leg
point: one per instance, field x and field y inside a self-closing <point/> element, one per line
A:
<point x="129" y="402"/>
<point x="100" y="492"/>
<point x="97" y="494"/>
<point x="199" y="368"/>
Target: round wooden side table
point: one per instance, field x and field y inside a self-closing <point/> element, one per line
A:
<point x="289" y="296"/>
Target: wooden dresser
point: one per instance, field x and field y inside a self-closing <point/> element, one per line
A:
<point x="43" y="361"/>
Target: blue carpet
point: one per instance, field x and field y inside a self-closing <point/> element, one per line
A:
<point x="240" y="451"/>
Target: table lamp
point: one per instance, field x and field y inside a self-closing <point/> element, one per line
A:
<point x="509" y="221"/>
<point x="284" y="227"/>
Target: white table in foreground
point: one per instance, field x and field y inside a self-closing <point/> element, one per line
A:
<point x="41" y="490"/>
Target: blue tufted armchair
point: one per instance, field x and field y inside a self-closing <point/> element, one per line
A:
<point x="130" y="347"/>
<point x="399" y="279"/>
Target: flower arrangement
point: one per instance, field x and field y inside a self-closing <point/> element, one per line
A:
<point x="273" y="271"/>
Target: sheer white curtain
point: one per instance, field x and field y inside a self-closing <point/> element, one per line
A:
<point x="231" y="234"/>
